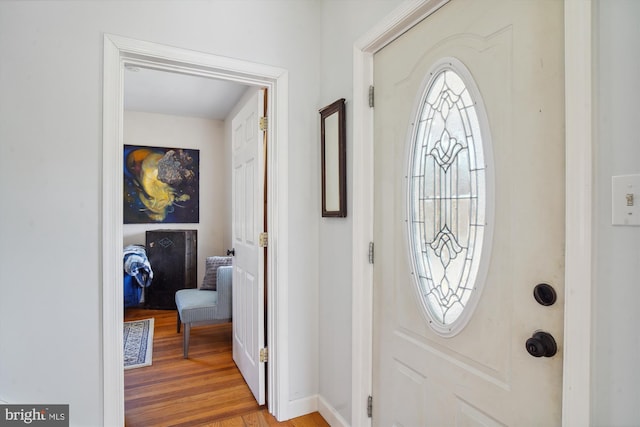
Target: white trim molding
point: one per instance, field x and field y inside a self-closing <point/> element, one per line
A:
<point x="576" y="394"/>
<point x="112" y="293"/>
<point x="579" y="175"/>
<point x="119" y="51"/>
<point x="330" y="414"/>
<point x="302" y="406"/>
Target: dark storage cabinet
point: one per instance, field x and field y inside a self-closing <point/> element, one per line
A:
<point x="173" y="255"/>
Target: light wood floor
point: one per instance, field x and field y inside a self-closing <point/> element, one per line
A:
<point x="204" y="390"/>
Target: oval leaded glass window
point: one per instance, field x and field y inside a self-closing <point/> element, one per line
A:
<point x="447" y="197"/>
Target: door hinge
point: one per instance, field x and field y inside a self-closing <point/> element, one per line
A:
<point x="264" y="355"/>
<point x="369" y="406"/>
<point x="264" y="240"/>
<point x="370" y="252"/>
<point x="264" y="123"/>
<point x="371" y="93"/>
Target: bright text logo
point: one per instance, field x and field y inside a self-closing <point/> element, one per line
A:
<point x="36" y="415"/>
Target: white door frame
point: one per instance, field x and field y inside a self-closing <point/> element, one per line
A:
<point x="119" y="51"/>
<point x="579" y="177"/>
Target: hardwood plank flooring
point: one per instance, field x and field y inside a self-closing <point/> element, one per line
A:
<point x="205" y="390"/>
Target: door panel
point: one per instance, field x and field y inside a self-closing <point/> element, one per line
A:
<point x="483" y="375"/>
<point x="248" y="263"/>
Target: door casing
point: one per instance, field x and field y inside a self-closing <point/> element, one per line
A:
<point x="119" y="51"/>
<point x="578" y="211"/>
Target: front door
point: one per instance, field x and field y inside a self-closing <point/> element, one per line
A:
<point x="248" y="262"/>
<point x="463" y="235"/>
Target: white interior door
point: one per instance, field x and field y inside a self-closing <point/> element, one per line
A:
<point x="482" y="375"/>
<point x="248" y="262"/>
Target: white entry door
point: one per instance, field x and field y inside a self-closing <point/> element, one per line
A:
<point x="485" y="223"/>
<point x="248" y="262"/>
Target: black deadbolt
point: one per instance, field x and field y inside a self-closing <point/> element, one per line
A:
<point x="231" y="252"/>
<point x="544" y="294"/>
<point x="541" y="344"/>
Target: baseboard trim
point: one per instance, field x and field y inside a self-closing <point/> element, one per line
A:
<point x="304" y="406"/>
<point x="330" y="414"/>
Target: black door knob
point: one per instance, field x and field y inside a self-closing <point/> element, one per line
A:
<point x="545" y="294"/>
<point x="231" y="252"/>
<point x="541" y="344"/>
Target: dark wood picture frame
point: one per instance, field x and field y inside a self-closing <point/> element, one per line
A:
<point x="333" y="150"/>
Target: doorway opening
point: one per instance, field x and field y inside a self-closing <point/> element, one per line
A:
<point x="118" y="53"/>
<point x="186" y="120"/>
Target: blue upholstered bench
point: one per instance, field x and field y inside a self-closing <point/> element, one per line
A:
<point x="203" y="307"/>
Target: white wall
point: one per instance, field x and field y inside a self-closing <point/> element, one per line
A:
<point x="51" y="62"/>
<point x="160" y="130"/>
<point x="343" y="22"/>
<point x="616" y="339"/>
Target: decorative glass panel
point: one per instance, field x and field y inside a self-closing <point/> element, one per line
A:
<point x="447" y="198"/>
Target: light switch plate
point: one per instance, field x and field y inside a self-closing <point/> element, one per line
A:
<point x="625" y="200"/>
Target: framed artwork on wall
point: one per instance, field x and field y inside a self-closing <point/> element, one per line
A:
<point x="161" y="185"/>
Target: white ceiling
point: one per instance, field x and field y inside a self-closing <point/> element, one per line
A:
<point x="164" y="92"/>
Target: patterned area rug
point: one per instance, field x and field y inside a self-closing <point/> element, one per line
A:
<point x="138" y="343"/>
